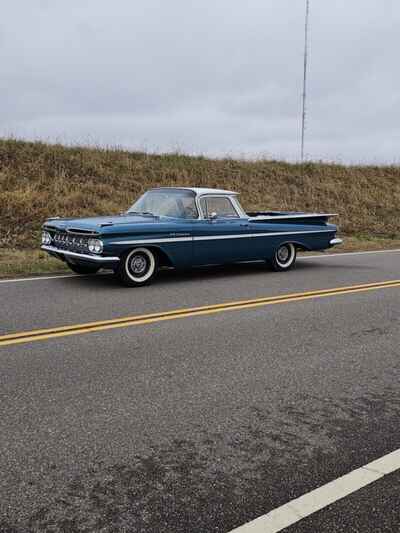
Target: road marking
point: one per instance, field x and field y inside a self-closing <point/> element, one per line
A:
<point x="334" y="254"/>
<point x="57" y="276"/>
<point x="319" y="256"/>
<point x="39" y="278"/>
<point x="77" y="329"/>
<point x="311" y="502"/>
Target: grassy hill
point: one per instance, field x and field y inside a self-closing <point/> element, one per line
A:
<point x="38" y="180"/>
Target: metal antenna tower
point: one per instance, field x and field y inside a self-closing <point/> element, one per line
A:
<point x="304" y="114"/>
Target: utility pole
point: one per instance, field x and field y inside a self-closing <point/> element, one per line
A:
<point x="304" y="113"/>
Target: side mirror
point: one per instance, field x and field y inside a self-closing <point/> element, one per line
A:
<point x="213" y="216"/>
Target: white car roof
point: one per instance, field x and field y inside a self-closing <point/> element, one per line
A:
<point x="202" y="190"/>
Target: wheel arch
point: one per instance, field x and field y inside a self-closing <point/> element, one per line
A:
<point x="163" y="257"/>
<point x="299" y="245"/>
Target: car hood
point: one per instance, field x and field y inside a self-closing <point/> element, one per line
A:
<point x="97" y="223"/>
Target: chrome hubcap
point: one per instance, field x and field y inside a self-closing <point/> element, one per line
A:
<point x="138" y="264"/>
<point x="283" y="254"/>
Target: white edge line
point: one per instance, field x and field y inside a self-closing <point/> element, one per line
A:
<point x="319" y="256"/>
<point x="40" y="278"/>
<point x="322" y="256"/>
<point x="311" y="502"/>
<point x="56" y="276"/>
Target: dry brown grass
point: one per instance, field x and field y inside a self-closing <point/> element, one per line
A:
<point x="38" y="180"/>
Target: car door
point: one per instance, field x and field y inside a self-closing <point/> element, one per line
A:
<point x="219" y="236"/>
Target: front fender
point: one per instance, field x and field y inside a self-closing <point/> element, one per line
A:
<point x="173" y="253"/>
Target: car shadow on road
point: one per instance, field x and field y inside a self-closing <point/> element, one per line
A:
<point x="172" y="276"/>
<point x="215" y="272"/>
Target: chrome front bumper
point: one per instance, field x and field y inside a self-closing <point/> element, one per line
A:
<point x="334" y="242"/>
<point x="83" y="257"/>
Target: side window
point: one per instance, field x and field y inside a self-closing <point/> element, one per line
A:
<point x="189" y="207"/>
<point x="222" y="206"/>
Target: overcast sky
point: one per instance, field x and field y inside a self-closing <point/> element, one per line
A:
<point x="204" y="76"/>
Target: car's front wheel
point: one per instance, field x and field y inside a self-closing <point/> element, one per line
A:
<point x="284" y="257"/>
<point x="137" y="267"/>
<point x="83" y="269"/>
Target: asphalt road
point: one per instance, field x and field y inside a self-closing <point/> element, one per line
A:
<point x="374" y="508"/>
<point x="203" y="423"/>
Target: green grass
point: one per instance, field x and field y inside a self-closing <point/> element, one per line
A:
<point x="14" y="263"/>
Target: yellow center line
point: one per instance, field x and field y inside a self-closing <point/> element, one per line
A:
<point x="78" y="329"/>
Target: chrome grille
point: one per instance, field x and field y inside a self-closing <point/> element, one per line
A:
<point x="71" y="242"/>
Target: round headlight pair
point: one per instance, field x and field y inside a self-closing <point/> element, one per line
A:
<point x="46" y="237"/>
<point x="95" y="246"/>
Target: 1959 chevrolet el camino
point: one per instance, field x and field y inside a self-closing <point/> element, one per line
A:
<point x="184" y="227"/>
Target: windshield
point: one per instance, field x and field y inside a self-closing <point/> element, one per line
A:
<point x="166" y="203"/>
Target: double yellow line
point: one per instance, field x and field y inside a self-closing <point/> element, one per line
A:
<point x="78" y="329"/>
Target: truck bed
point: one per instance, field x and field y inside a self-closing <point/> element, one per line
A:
<point x="289" y="216"/>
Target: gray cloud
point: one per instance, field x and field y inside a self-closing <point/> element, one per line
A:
<point x="212" y="76"/>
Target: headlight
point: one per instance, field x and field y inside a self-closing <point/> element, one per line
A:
<point x="95" y="246"/>
<point x="46" y="237"/>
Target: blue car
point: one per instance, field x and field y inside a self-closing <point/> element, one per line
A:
<point x="184" y="227"/>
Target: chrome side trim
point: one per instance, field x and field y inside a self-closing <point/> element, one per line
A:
<point x="155" y="241"/>
<point x="219" y="237"/>
<point x="96" y="258"/>
<point x="251" y="235"/>
<point x="333" y="242"/>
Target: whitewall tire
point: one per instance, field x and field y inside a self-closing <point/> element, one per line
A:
<point x="137" y="267"/>
<point x="284" y="257"/>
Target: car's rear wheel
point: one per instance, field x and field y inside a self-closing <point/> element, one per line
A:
<point x="137" y="267"/>
<point x="284" y="257"/>
<point x="83" y="269"/>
